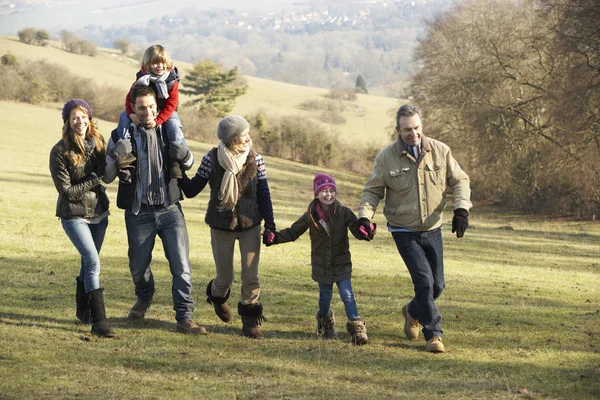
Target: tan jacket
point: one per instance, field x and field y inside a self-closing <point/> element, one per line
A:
<point x="415" y="193"/>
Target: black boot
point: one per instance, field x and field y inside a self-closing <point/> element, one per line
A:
<point x="251" y="317"/>
<point x="326" y="325"/>
<point x="83" y="309"/>
<point x="219" y="303"/>
<point x="100" y="326"/>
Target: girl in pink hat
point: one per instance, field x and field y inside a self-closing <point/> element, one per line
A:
<point x="328" y="221"/>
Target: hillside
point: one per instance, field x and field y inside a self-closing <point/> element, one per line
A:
<point x="520" y="308"/>
<point x="368" y="119"/>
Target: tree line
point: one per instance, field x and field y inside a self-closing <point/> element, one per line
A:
<point x="513" y="87"/>
<point x="213" y="89"/>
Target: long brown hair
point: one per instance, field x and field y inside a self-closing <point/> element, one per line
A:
<point x="74" y="151"/>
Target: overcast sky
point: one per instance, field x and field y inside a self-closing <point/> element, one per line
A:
<point x="76" y="14"/>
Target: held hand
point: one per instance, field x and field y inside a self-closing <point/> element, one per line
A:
<point x="366" y="234"/>
<point x="460" y="222"/>
<point x="365" y="227"/>
<point x="269" y="238"/>
<point x="134" y="118"/>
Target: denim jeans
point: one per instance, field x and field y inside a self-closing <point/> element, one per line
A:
<point x="87" y="239"/>
<point x="169" y="224"/>
<point x="422" y="253"/>
<point x="172" y="127"/>
<point x="346" y="294"/>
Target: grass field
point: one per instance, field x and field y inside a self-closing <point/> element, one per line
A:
<point x="368" y="121"/>
<point x="521" y="308"/>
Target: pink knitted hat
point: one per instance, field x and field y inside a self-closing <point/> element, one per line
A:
<point x="323" y="181"/>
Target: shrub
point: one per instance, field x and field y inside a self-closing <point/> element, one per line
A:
<point x="9" y="59"/>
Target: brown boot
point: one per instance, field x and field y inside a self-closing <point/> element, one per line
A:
<point x="411" y="325"/>
<point x="251" y="317"/>
<point x="358" y="331"/>
<point x="219" y="303"/>
<point x="326" y="325"/>
<point x="435" y="345"/>
<point x="138" y="311"/>
<point x="190" y="327"/>
<point x="100" y="326"/>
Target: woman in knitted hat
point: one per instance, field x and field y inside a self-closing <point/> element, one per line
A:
<point x="239" y="201"/>
<point x="77" y="165"/>
<point x="327" y="222"/>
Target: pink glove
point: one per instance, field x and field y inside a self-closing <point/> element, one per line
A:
<point x="270" y="237"/>
<point x="364" y="231"/>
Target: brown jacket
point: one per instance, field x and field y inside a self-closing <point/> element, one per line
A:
<point x="330" y="251"/>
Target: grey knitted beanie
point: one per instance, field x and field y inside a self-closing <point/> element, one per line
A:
<point x="231" y="127"/>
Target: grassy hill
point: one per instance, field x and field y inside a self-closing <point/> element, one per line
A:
<point x="521" y="312"/>
<point x="367" y="121"/>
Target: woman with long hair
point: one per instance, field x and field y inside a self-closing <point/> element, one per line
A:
<point x="77" y="164"/>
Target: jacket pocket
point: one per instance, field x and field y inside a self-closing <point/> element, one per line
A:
<point x="399" y="179"/>
<point x="434" y="174"/>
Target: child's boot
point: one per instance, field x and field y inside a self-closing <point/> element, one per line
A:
<point x="326" y="325"/>
<point x="358" y="331"/>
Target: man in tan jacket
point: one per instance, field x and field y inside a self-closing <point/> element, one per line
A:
<point x="413" y="175"/>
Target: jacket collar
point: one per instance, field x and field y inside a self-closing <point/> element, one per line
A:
<point x="403" y="147"/>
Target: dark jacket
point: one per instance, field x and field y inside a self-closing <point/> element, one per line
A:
<point x="128" y="175"/>
<point x="80" y="195"/>
<point x="246" y="213"/>
<point x="330" y="252"/>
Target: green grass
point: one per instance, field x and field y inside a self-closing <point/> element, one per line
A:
<point x="521" y="308"/>
<point x="369" y="126"/>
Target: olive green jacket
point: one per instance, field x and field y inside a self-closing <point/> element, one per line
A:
<point x="415" y="192"/>
<point x="330" y="251"/>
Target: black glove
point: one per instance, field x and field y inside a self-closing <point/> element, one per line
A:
<point x="179" y="151"/>
<point x="460" y="222"/>
<point x="365" y="225"/>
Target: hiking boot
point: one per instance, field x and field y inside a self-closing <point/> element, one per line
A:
<point x="411" y="325"/>
<point x="100" y="326"/>
<point x="435" y="345"/>
<point x="125" y="160"/>
<point x="219" y="303"/>
<point x="138" y="311"/>
<point x="326" y="325"/>
<point x="358" y="331"/>
<point x="83" y="311"/>
<point x="251" y="317"/>
<point x="191" y="328"/>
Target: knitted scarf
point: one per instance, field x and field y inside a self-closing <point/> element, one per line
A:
<point x="233" y="164"/>
<point x="155" y="194"/>
<point x="159" y="82"/>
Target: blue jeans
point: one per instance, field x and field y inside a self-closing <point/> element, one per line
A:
<point x="346" y="294"/>
<point x="87" y="239"/>
<point x="169" y="224"/>
<point x="172" y="126"/>
<point x="422" y="253"/>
